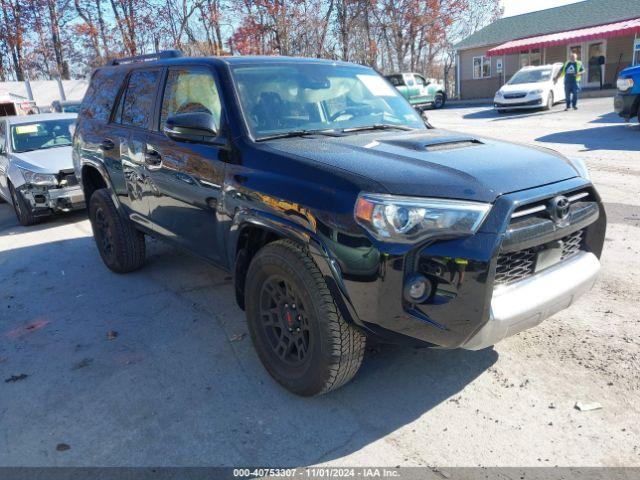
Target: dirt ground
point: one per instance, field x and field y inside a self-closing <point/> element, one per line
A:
<point x="155" y="368"/>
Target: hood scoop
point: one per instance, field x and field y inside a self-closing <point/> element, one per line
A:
<point x="434" y="143"/>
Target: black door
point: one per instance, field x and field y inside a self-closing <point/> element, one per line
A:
<point x="129" y="129"/>
<point x="187" y="178"/>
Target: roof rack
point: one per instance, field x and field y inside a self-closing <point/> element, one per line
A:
<point x="150" y="57"/>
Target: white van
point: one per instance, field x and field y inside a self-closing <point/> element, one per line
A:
<point x="531" y="87"/>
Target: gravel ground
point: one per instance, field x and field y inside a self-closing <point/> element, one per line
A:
<point x="155" y="368"/>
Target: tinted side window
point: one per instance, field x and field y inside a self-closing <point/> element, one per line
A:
<point x="191" y="90"/>
<point x="137" y="101"/>
<point x="101" y="94"/>
<point x="3" y="137"/>
<point x="396" y="80"/>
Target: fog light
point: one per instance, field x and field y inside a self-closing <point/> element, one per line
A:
<point x="417" y="289"/>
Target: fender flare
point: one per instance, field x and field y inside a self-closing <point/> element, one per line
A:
<point x="295" y="232"/>
<point x="100" y="168"/>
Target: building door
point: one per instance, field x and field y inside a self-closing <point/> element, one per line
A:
<point x="595" y="63"/>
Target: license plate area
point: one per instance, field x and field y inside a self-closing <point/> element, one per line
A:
<point x="549" y="256"/>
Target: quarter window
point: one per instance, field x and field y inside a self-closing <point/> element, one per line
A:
<point x="481" y="67"/>
<point x="191" y="90"/>
<point x="136" y="104"/>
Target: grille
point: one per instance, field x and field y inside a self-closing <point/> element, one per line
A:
<point x="515" y="266"/>
<point x="571" y="244"/>
<point x="515" y="95"/>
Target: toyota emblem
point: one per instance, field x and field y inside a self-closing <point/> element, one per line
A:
<point x="559" y="208"/>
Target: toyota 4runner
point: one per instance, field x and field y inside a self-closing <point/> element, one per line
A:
<point x="339" y="213"/>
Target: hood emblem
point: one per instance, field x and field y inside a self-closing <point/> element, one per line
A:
<point x="559" y="208"/>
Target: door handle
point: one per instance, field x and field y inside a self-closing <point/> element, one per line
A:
<point x="107" y="144"/>
<point x="185" y="178"/>
<point x="152" y="158"/>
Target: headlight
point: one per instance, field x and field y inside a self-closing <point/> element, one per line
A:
<point x="41" y="179"/>
<point x="581" y="166"/>
<point x="625" y="84"/>
<point x="412" y="219"/>
<point x="536" y="92"/>
<point x="499" y="94"/>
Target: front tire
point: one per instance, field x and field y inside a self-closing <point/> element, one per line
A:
<point x="550" y="102"/>
<point x="22" y="209"/>
<point x="298" y="331"/>
<point x="120" y="244"/>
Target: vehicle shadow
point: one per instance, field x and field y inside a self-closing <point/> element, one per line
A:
<point x="611" y="117"/>
<point x="179" y="383"/>
<point x="613" y="137"/>
<point x="8" y="219"/>
<point x="490" y="113"/>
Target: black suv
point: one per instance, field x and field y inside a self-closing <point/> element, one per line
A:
<point x="340" y="214"/>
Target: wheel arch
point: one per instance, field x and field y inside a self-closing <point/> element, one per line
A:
<point x="252" y="231"/>
<point x="93" y="175"/>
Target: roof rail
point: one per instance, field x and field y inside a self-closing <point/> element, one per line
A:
<point x="150" y="57"/>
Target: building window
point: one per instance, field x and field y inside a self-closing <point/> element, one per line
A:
<point x="531" y="57"/>
<point x="481" y="67"/>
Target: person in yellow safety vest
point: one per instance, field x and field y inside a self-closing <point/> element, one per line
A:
<point x="572" y="72"/>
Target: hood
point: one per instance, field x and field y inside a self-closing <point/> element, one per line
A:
<point x="49" y="160"/>
<point x="628" y="72"/>
<point x="523" y="87"/>
<point x="435" y="163"/>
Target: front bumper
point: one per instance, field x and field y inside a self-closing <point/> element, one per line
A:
<point x="626" y="105"/>
<point x="44" y="201"/>
<point x="524" y="305"/>
<point x="469" y="308"/>
<point x="517" y="104"/>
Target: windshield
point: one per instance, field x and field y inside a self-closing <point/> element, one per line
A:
<point x="280" y="98"/>
<point x="530" y="76"/>
<point x="41" y="135"/>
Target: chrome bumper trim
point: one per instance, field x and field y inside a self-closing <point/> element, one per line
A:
<point x="523" y="305"/>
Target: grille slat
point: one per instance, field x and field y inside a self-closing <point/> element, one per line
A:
<point x="513" y="267"/>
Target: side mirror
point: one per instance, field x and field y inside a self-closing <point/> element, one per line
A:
<point x="197" y="127"/>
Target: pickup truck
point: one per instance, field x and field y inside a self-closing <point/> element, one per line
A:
<point x="421" y="92"/>
<point x="339" y="213"/>
<point x="627" y="100"/>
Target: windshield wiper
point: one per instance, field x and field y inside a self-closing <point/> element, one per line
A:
<point x="298" y="133"/>
<point x="376" y="126"/>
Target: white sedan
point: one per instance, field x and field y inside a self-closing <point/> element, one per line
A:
<point x="36" y="168"/>
<point x="531" y="87"/>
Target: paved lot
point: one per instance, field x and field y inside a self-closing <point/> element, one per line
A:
<point x="180" y="385"/>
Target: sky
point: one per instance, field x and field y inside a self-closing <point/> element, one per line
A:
<point x="517" y="7"/>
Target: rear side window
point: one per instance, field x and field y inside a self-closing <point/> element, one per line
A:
<point x="136" y="103"/>
<point x="3" y="136"/>
<point x="101" y="94"/>
<point x="396" y="80"/>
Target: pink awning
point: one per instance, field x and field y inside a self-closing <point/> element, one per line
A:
<point x="627" y="27"/>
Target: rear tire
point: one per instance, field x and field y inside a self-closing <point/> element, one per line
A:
<point x="120" y="244"/>
<point x="22" y="209"/>
<point x="439" y="101"/>
<point x="298" y="331"/>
